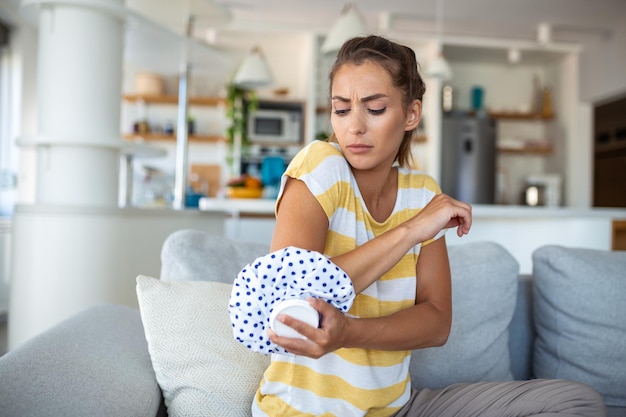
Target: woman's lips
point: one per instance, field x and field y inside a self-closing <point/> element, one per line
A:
<point x="358" y="148"/>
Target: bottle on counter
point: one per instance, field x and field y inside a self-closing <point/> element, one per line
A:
<point x="537" y="104"/>
<point x="546" y="107"/>
<point x="191" y="125"/>
<point x="447" y="98"/>
<point x="168" y="128"/>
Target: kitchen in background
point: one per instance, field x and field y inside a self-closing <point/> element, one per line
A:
<point x="503" y="135"/>
<point x="149" y="114"/>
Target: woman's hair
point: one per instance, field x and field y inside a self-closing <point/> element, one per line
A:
<point x="399" y="61"/>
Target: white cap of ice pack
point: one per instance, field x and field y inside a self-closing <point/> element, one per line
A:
<point x="299" y="310"/>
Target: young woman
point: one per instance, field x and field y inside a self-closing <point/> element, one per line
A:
<point x="355" y="200"/>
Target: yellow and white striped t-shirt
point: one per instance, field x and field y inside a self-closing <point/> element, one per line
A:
<point x="349" y="382"/>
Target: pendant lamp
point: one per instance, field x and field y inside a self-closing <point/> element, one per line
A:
<point x="439" y="68"/>
<point x="253" y="71"/>
<point x="348" y="25"/>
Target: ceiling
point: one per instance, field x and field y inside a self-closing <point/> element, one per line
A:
<point x="569" y="20"/>
<point x="506" y="18"/>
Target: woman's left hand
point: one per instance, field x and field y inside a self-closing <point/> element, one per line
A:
<point x="329" y="337"/>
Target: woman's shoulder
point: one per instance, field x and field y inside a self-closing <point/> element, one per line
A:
<point x="316" y="154"/>
<point x="411" y="178"/>
<point x="322" y="149"/>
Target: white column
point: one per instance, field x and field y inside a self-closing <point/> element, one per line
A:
<point x="61" y="263"/>
<point x="79" y="84"/>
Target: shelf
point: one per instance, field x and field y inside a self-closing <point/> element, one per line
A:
<point x="528" y="150"/>
<point x="322" y="109"/>
<point x="163" y="137"/>
<point x="520" y="116"/>
<point x="169" y="99"/>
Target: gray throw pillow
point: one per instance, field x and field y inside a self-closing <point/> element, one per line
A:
<point x="195" y="255"/>
<point x="580" y="314"/>
<point x="484" y="292"/>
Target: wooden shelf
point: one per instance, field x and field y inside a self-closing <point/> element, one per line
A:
<point x="163" y="137"/>
<point x="322" y="109"/>
<point x="520" y="116"/>
<point x="528" y="150"/>
<point x="168" y="99"/>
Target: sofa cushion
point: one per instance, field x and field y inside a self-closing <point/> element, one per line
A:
<point x="200" y="368"/>
<point x="580" y="313"/>
<point x="484" y="290"/>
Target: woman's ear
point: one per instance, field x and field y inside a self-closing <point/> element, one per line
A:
<point x="414" y="115"/>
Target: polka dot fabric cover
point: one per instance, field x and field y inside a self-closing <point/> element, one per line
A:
<point x="285" y="274"/>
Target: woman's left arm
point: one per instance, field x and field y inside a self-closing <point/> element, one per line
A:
<point x="426" y="324"/>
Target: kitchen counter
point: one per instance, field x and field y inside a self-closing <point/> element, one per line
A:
<point x="505" y="211"/>
<point x="519" y="229"/>
<point x="265" y="207"/>
<point x="239" y="207"/>
<point x="522" y="229"/>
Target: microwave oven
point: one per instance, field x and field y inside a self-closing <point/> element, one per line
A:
<point x="275" y="125"/>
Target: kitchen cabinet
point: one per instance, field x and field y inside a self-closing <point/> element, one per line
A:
<point x="609" y="186"/>
<point x="618" y="241"/>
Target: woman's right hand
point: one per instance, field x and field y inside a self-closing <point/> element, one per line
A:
<point x="330" y="336"/>
<point x="442" y="212"/>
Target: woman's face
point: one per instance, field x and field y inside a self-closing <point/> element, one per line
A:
<point x="368" y="117"/>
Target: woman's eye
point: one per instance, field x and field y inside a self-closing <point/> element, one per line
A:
<point x="376" y="112"/>
<point x="341" y="112"/>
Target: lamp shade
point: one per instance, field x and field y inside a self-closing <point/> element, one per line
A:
<point x="348" y="25"/>
<point x="439" y="68"/>
<point x="253" y="71"/>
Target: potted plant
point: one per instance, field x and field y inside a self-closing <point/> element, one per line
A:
<point x="239" y="102"/>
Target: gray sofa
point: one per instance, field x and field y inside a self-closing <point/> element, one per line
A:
<point x="565" y="321"/>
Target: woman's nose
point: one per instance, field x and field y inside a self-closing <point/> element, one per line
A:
<point x="357" y="122"/>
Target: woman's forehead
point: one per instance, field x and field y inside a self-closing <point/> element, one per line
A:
<point x="368" y="75"/>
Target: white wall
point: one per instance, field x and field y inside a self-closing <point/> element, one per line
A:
<point x="602" y="64"/>
<point x="66" y="259"/>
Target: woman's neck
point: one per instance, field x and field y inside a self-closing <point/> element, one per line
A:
<point x="379" y="192"/>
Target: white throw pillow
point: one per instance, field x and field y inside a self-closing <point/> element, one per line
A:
<point x="200" y="368"/>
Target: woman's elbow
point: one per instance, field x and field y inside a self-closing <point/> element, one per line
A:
<point x="444" y="331"/>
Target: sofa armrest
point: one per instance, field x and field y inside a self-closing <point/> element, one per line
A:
<point x="95" y="363"/>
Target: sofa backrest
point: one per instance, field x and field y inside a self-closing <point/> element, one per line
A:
<point x="194" y="255"/>
<point x="484" y="298"/>
<point x="491" y="339"/>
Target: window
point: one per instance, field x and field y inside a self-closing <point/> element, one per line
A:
<point x="7" y="153"/>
